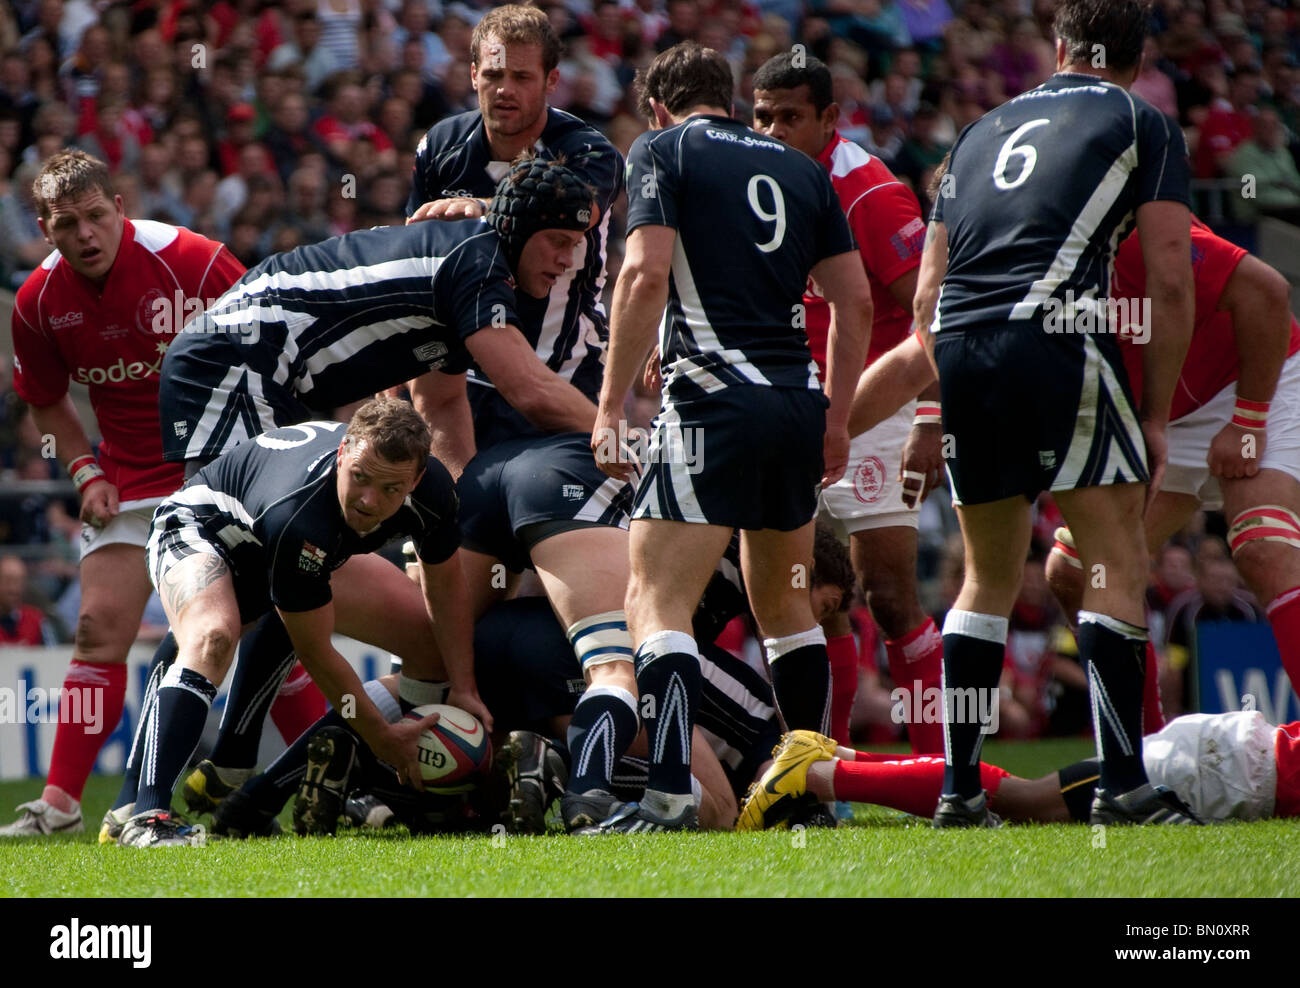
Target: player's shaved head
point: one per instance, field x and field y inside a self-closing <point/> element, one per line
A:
<point x="1114" y="29"/>
<point x="685" y="76"/>
<point x="781" y="72"/>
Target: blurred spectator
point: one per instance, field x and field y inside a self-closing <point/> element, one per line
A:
<point x="113" y="140"/>
<point x="234" y="190"/>
<point x="1229" y="123"/>
<point x="159" y="189"/>
<point x="413" y="25"/>
<point x="241" y="122"/>
<point x="1217" y="596"/>
<point x="290" y="135"/>
<point x="306" y="206"/>
<point x="683" y="22"/>
<point x="1266" y="159"/>
<point x="1153" y="84"/>
<point x="1024" y="60"/>
<point x="317" y="61"/>
<point x="20" y="623"/>
<point x="340" y="30"/>
<point x="922" y="151"/>
<point x="22" y="245"/>
<point x="1172" y="574"/>
<point x="345" y="126"/>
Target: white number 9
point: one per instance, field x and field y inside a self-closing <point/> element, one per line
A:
<point x="777" y="217"/>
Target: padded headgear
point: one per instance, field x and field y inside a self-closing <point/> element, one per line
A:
<point x="537" y="195"/>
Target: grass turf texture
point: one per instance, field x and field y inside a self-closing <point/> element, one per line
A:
<point x="882" y="853"/>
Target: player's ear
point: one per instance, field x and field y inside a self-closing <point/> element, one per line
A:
<point x="830" y="117"/>
<point x="40" y="222"/>
<point x="1061" y="55"/>
<point x="121" y="209"/>
<point x="662" y="118"/>
<point x="552" y="80"/>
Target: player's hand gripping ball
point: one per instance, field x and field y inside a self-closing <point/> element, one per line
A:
<point x="455" y="751"/>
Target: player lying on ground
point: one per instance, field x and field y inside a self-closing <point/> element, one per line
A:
<point x="738" y="384"/>
<point x="102" y="309"/>
<point x="1233" y="766"/>
<point x="262" y="528"/>
<point x="893" y="466"/>
<point x="1234" y="432"/>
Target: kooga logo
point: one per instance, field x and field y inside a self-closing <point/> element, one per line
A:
<point x="75" y="942"/>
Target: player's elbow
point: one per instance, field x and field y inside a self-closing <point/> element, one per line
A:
<point x="643" y="281"/>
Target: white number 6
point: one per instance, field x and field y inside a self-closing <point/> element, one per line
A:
<point x="1028" y="153"/>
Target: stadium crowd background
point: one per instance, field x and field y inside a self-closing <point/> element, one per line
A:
<point x="270" y="125"/>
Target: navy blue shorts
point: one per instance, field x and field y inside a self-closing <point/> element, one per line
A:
<point x="209" y="401"/>
<point x="1029" y="411"/>
<point x="510" y="490"/>
<point x="748" y="457"/>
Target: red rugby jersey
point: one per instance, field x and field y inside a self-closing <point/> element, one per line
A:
<point x="112" y="339"/>
<point x="1211" y="363"/>
<point x="886" y="222"/>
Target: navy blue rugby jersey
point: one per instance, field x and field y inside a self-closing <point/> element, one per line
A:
<point x="1042" y="190"/>
<point x="337" y="321"/>
<point x="753" y="216"/>
<point x="569" y="329"/>
<point x="272" y="505"/>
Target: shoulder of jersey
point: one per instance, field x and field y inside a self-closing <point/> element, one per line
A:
<point x="450" y="133"/>
<point x="564" y="128"/>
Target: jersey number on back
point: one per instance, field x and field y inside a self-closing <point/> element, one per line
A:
<point x="777" y="215"/>
<point x="1028" y="155"/>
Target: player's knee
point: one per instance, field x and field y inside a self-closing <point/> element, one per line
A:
<point x="102" y="634"/>
<point x="894" y="607"/>
<point x="214" y="642"/>
<point x="1264" y="540"/>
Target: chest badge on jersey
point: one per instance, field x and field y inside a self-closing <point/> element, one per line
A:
<point x="312" y="558"/>
<point x="869" y="480"/>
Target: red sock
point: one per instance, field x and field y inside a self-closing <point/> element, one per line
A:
<point x="918" y="657"/>
<point x="1153" y="714"/>
<point x="1284" y="615"/>
<point x="912" y="785"/>
<point x="86" y="721"/>
<point x="298" y="705"/>
<point x="843" y="653"/>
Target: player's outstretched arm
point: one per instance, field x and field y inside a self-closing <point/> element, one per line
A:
<point x="447" y="599"/>
<point x="934" y="266"/>
<point x="843" y="283"/>
<point x="1164" y="230"/>
<point x="889" y="384"/>
<point x="639" y="299"/>
<point x="396" y="744"/>
<point x="99" y="501"/>
<point x="442" y="403"/>
<point x="537" y="392"/>
<point x="1259" y="300"/>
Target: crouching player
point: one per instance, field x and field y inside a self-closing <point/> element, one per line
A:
<point x="262" y="528"/>
<point x="1233" y="766"/>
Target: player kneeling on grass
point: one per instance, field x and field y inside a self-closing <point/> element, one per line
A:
<point x="1233" y="766"/>
<point x="262" y="528"/>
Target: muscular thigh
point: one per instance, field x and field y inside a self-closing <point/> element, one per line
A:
<point x="114" y="590"/>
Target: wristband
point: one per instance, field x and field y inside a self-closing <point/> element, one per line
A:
<point x="1251" y="415"/>
<point x="85" y="470"/>
<point x="928" y="413"/>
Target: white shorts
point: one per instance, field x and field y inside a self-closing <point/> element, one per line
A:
<point x="869" y="494"/>
<point x="1224" y="766"/>
<point x="1190" y="437"/>
<point x="131" y="527"/>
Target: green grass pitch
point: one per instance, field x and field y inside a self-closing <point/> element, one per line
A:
<point x="882" y="853"/>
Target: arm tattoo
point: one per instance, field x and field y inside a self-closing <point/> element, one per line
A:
<point x="182" y="582"/>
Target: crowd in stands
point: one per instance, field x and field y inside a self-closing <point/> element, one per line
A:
<point x="267" y="125"/>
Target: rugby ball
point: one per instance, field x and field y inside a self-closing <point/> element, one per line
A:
<point x="455" y="750"/>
